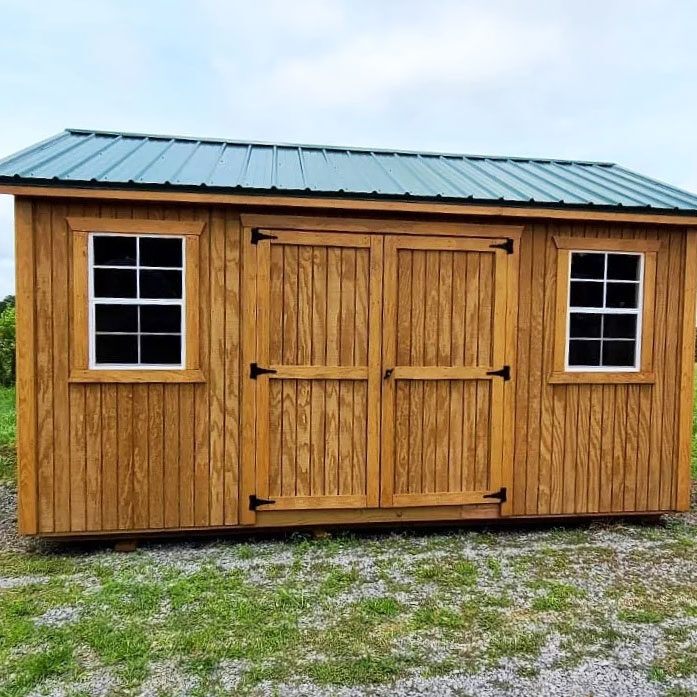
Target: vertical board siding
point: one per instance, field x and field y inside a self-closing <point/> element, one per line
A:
<point x="142" y="456"/>
<point x="444" y="317"/>
<point x="152" y="456"/>
<point x="318" y="301"/>
<point x="594" y="448"/>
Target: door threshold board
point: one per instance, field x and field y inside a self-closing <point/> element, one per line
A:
<point x="378" y="515"/>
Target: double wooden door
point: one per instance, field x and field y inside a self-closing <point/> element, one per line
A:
<point x="378" y="369"/>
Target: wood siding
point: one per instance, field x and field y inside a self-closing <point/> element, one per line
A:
<point x="318" y="329"/>
<point x="444" y="323"/>
<point x="118" y="457"/>
<point x="596" y="448"/>
<point x="114" y="457"/>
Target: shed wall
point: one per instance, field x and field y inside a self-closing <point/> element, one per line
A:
<point x="595" y="448"/>
<point x="118" y="457"/>
<point x="122" y="457"/>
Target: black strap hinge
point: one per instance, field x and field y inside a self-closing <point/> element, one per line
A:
<point x="255" y="371"/>
<point x="500" y="495"/>
<point x="504" y="373"/>
<point x="258" y="236"/>
<point x="255" y="502"/>
<point x="507" y="245"/>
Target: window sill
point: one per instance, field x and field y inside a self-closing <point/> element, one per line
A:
<point x="600" y="378"/>
<point x="137" y="376"/>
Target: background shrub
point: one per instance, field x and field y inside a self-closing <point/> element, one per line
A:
<point x="7" y="341"/>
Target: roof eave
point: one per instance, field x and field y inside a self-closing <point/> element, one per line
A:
<point x="15" y="185"/>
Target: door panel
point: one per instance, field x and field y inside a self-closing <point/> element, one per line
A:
<point x="443" y="330"/>
<point x="319" y="297"/>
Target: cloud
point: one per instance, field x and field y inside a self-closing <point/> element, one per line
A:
<point x="456" y="50"/>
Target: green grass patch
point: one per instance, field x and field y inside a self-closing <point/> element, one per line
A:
<point x="434" y="615"/>
<point x="557" y="597"/>
<point x="694" y="431"/>
<point x="364" y="670"/>
<point x="447" y="573"/>
<point x="15" y="564"/>
<point x="379" y="607"/>
<point x="507" y="644"/>
<point x="8" y="435"/>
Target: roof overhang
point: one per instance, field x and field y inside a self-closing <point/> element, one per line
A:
<point x="375" y="205"/>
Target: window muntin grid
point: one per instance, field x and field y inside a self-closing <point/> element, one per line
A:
<point x="148" y="300"/>
<point x="604" y="311"/>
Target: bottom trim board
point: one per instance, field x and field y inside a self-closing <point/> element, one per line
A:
<point x="271" y="520"/>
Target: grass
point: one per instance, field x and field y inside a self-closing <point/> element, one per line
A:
<point x="8" y="434"/>
<point x="694" y="432"/>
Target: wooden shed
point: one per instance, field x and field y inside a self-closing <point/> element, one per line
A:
<point x="214" y="334"/>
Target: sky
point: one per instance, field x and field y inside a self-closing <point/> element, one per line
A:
<point x="609" y="80"/>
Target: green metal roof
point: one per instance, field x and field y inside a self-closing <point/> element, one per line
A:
<point x="100" y="159"/>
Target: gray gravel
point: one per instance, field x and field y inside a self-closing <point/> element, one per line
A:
<point x="597" y="561"/>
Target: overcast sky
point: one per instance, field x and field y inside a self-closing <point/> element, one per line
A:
<point x="607" y="80"/>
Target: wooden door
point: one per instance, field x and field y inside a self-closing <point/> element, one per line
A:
<point x="318" y="315"/>
<point x="443" y="334"/>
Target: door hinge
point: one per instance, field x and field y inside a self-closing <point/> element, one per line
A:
<point x="255" y="502"/>
<point x="507" y="245"/>
<point x="500" y="495"/>
<point x="504" y="373"/>
<point x="258" y="236"/>
<point x="255" y="371"/>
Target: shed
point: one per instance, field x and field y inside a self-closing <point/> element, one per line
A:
<point x="216" y="334"/>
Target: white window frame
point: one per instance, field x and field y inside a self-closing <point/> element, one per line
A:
<point x="94" y="301"/>
<point x="638" y="312"/>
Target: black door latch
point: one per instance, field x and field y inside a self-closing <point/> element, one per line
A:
<point x="258" y="236"/>
<point x="507" y="246"/>
<point x="504" y="373"/>
<point x="500" y="495"/>
<point x="255" y="371"/>
<point x="387" y="374"/>
<point x="255" y="502"/>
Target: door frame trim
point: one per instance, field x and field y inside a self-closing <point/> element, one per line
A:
<point x="387" y="226"/>
<point x="381" y="229"/>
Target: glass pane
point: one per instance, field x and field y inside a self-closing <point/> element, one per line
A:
<point x="160" y="350"/>
<point x="160" y="318"/>
<point x="584" y="325"/>
<point x="116" y="318"/>
<point x="587" y="265"/>
<point x="619" y="354"/>
<point x="623" y="267"/>
<point x="114" y="250"/>
<point x="622" y="295"/>
<point x="160" y="251"/>
<point x="586" y="294"/>
<point x="160" y="284"/>
<point x="584" y="352"/>
<point x="116" y="348"/>
<point x="114" y="283"/>
<point x="619" y="326"/>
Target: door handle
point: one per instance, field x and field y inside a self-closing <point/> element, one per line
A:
<point x="388" y="374"/>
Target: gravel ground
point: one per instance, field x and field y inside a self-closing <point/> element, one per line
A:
<point x="596" y="610"/>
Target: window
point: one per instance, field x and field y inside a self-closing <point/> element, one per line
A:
<point x="135" y="300"/>
<point x="604" y="323"/>
<point x="604" y="311"/>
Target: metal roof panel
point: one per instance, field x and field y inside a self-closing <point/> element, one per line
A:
<point x="105" y="158"/>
